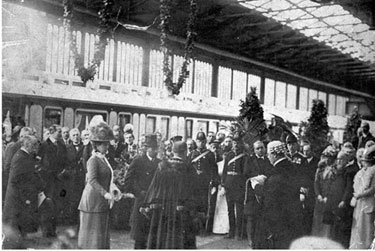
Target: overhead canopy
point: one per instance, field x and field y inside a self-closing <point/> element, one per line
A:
<point x="330" y="41"/>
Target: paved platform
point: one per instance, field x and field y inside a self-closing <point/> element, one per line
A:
<point x="120" y="239"/>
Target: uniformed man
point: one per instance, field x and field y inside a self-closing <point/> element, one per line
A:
<point x="233" y="181"/>
<point x="203" y="161"/>
<point x="301" y="177"/>
<point x="137" y="181"/>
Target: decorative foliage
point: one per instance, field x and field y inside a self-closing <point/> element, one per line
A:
<point x="104" y="32"/>
<point x="352" y="125"/>
<point x="165" y="6"/>
<point x="317" y="128"/>
<point x="249" y="125"/>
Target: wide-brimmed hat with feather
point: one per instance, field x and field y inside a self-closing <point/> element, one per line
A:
<point x="100" y="131"/>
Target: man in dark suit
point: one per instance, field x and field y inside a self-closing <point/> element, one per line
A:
<point x="203" y="161"/>
<point x="233" y="181"/>
<point x="137" y="181"/>
<point x="116" y="147"/>
<point x="366" y="135"/>
<point x="21" y="201"/>
<point x="311" y="167"/>
<point x="54" y="169"/>
<point x="76" y="182"/>
<point x="258" y="165"/>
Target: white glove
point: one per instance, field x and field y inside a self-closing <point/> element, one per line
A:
<point x="108" y="196"/>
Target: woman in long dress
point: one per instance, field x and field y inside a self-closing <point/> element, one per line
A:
<point x="96" y="198"/>
<point x="364" y="202"/>
<point x="221" y="219"/>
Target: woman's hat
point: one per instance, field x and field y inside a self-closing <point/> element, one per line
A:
<point x="330" y="151"/>
<point x="101" y="132"/>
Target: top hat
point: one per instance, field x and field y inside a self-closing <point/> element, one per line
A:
<point x="151" y="140"/>
<point x="291" y="139"/>
<point x="101" y="132"/>
<point x="201" y="136"/>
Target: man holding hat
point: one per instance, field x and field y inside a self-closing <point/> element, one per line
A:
<point x="137" y="181"/>
<point x="204" y="164"/>
<point x="170" y="204"/>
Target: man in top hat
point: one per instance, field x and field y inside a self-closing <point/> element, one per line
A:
<point x="366" y="135"/>
<point x="137" y="181"/>
<point x="233" y="181"/>
<point x="301" y="177"/>
<point x="204" y="164"/>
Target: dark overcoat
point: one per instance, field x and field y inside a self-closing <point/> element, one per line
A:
<point x="21" y="201"/>
<point x="282" y="220"/>
<point x="137" y="181"/>
<point x="173" y="185"/>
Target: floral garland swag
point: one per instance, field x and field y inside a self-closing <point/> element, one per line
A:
<point x="104" y="32"/>
<point x="174" y="88"/>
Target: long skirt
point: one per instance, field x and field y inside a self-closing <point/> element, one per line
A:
<point x="362" y="227"/>
<point x="93" y="231"/>
<point x="320" y="229"/>
<point x="221" y="219"/>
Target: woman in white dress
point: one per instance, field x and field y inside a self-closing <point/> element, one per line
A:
<point x="221" y="219"/>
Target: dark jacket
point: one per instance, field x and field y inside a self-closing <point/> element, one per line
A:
<point x="137" y="181"/>
<point x="233" y="178"/>
<point x="98" y="184"/>
<point x="282" y="212"/>
<point x="115" y="153"/>
<point x="54" y="158"/>
<point x="21" y="202"/>
<point x="173" y="185"/>
<point x="363" y="140"/>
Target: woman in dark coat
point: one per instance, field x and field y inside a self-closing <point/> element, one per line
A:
<point x="281" y="222"/>
<point x="21" y="201"/>
<point x="97" y="196"/>
<point x="170" y="203"/>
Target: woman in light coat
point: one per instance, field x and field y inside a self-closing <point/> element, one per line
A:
<point x="364" y="202"/>
<point x="97" y="197"/>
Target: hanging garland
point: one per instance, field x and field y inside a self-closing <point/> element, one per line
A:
<point x="164" y="26"/>
<point x="104" y="32"/>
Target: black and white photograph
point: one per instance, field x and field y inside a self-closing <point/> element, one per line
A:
<point x="188" y="124"/>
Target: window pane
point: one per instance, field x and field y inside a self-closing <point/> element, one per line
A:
<point x="303" y="99"/>
<point x="292" y="97"/>
<point x="84" y="117"/>
<point x="52" y="116"/>
<point x="322" y="96"/>
<point x="203" y="126"/>
<point x="253" y="81"/>
<point x="156" y="69"/>
<point x="280" y="94"/>
<point x="313" y="94"/>
<point x="123" y="119"/>
<point x="189" y="128"/>
<point x="202" y="78"/>
<point x="340" y="105"/>
<point x="165" y="128"/>
<point x="177" y="63"/>
<point x="224" y="83"/>
<point x="239" y="85"/>
<point x="331" y="104"/>
<point x="269" y="92"/>
<point x="151" y="125"/>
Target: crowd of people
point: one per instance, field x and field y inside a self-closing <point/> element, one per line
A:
<point x="168" y="191"/>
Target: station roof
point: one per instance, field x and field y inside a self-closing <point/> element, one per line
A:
<point x="327" y="40"/>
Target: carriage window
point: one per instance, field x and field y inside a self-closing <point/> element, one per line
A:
<point x="164" y="127"/>
<point x="52" y="116"/>
<point x="83" y="118"/>
<point x="203" y="126"/>
<point x="189" y="128"/>
<point x="123" y="119"/>
<point x="151" y="125"/>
